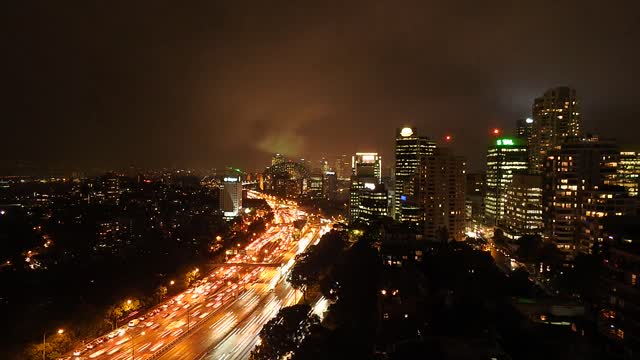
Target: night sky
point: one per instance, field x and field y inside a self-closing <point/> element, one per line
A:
<point x="112" y="84"/>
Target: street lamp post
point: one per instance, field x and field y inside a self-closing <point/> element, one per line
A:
<point x="44" y="343"/>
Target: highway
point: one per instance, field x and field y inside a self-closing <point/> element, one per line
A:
<point x="219" y="317"/>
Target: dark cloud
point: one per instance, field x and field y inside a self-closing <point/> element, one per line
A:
<point x="219" y="83"/>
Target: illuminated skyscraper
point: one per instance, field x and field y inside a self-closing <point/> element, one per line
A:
<point x="505" y="157"/>
<point x="231" y="196"/>
<point x="523" y="206"/>
<point x="577" y="166"/>
<point x="441" y="192"/>
<point x="409" y="149"/>
<point x="556" y="117"/>
<point x="373" y="203"/>
<point x="366" y="174"/>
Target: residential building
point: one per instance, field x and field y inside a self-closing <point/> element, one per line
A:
<point x="599" y="203"/>
<point x="441" y="192"/>
<point x="576" y="166"/>
<point x="556" y="117"/>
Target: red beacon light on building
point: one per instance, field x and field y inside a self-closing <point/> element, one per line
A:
<point x="495" y="131"/>
<point x="448" y="138"/>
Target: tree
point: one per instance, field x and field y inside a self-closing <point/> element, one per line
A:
<point x="160" y="293"/>
<point x="282" y="335"/>
<point x="56" y="346"/>
<point x="117" y="311"/>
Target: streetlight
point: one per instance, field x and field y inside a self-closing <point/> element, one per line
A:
<point x="44" y="343"/>
<point x="172" y="282"/>
<point x="128" y="301"/>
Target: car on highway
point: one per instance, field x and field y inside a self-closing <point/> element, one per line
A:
<point x="133" y="322"/>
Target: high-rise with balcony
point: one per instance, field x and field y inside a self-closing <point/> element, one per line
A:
<point x="576" y="167"/>
<point x="441" y="189"/>
<point x="556" y="117"/>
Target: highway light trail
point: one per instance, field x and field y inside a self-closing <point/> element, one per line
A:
<point x="219" y="317"/>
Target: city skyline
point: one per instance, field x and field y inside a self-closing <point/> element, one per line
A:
<point x="215" y="85"/>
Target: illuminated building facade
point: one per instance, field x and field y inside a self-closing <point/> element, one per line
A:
<point x="524" y="129"/>
<point x="619" y="288"/>
<point x="373" y="203"/>
<point x="409" y="149"/>
<point x="504" y="158"/>
<point x="442" y="187"/>
<point x="600" y="202"/>
<point x="366" y="174"/>
<point x="556" y="117"/>
<point x="523" y="206"/>
<point x="578" y="165"/>
<point x="231" y="196"/>
<point x="628" y="172"/>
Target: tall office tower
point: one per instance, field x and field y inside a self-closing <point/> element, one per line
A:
<point x="410" y="148"/>
<point x="367" y="166"/>
<point x="524" y="128"/>
<point x="231" y="196"/>
<point x="373" y="203"/>
<point x="523" y="206"/>
<point x="628" y="173"/>
<point x="578" y="165"/>
<point x="342" y="167"/>
<point x="556" y="117"/>
<point x="600" y="202"/>
<point x="441" y="189"/>
<point x="366" y="174"/>
<point x="504" y="158"/>
<point x="330" y="185"/>
<point x="278" y="159"/>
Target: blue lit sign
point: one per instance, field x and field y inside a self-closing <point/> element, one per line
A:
<point x="403" y="198"/>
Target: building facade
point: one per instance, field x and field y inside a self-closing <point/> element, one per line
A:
<point x="556" y="117"/>
<point x="373" y="203"/>
<point x="366" y="174"/>
<point x="409" y="149"/>
<point x="523" y="206"/>
<point x="599" y="203"/>
<point x="231" y="196"/>
<point x="504" y="158"/>
<point x="578" y="165"/>
<point x="442" y="188"/>
<point x="628" y="172"/>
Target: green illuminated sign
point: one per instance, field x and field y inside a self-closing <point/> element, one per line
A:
<point x="503" y="142"/>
